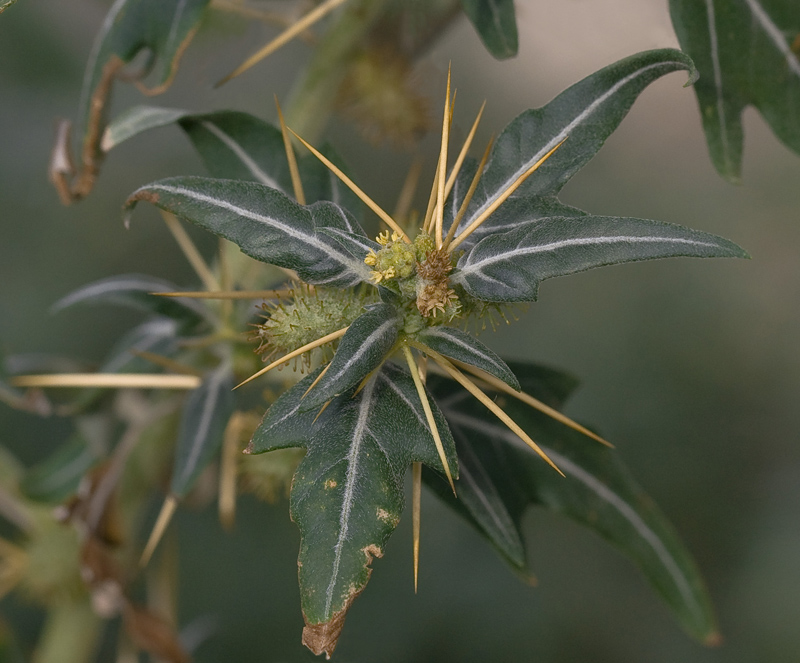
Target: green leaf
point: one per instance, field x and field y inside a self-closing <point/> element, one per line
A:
<point x="747" y="53"/>
<point x="285" y="424"/>
<point x="358" y="245"/>
<point x="57" y="477"/>
<point x="585" y="114"/>
<point x="496" y="24"/>
<point x="134" y="290"/>
<point x="161" y="27"/>
<point x="205" y="416"/>
<point x="509" y="266"/>
<point x="158" y="336"/>
<point x="598" y="492"/>
<point x="347" y="493"/>
<point x="364" y="347"/>
<point x="239" y="146"/>
<point x="459" y="345"/>
<point x="264" y="223"/>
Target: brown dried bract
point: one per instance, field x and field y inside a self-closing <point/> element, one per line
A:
<point x="154" y="635"/>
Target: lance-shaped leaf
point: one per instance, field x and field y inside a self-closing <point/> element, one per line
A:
<point x="491" y="504"/>
<point x="205" y="415"/>
<point x="285" y="424"/>
<point x="598" y="492"/>
<point x="509" y="266"/>
<point x="264" y="223"/>
<point x="358" y="245"/>
<point x="239" y="146"/>
<point x="496" y="24"/>
<point x="365" y="346"/>
<point x="347" y="493"/>
<point x="747" y="53"/>
<point x="162" y="27"/>
<point x="459" y="345"/>
<point x="134" y="290"/>
<point x="513" y="213"/>
<point x="585" y="114"/>
<point x="158" y="336"/>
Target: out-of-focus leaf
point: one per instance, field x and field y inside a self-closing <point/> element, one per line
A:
<point x="239" y="146"/>
<point x="162" y="29"/>
<point x="362" y="349"/>
<point x="205" y="415"/>
<point x="57" y="477"/>
<point x="266" y="225"/>
<point x="496" y="24"/>
<point x="747" y="53"/>
<point x="585" y="114"/>
<point x="505" y="477"/>
<point x="134" y="290"/>
<point x="347" y="493"/>
<point x="459" y="345"/>
<point x="509" y="266"/>
<point x="158" y="336"/>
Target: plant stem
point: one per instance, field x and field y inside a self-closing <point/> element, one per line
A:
<point x="69" y="635"/>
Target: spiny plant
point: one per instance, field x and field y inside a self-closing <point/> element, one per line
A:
<point x="492" y="231"/>
<point x="380" y="328"/>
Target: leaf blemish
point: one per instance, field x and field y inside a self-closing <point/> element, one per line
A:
<point x="330" y="483"/>
<point x="387" y="517"/>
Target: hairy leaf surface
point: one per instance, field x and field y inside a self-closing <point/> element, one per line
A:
<point x="747" y="53"/>
<point x="459" y="345"/>
<point x="363" y="348"/>
<point x="347" y="493"/>
<point x="585" y="115"/>
<point x="264" y="223"/>
<point x="509" y="266"/>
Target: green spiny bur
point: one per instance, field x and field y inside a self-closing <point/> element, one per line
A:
<point x="309" y="314"/>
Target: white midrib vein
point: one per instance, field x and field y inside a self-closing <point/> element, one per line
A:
<point x="775" y="34"/>
<point x="209" y="406"/>
<point x="248" y="214"/>
<point x="366" y="344"/>
<point x="581" y="241"/>
<point x="714" y="45"/>
<point x="441" y="333"/>
<point x="603" y="492"/>
<point x="563" y="134"/>
<point x="173" y="28"/>
<point x="108" y="287"/>
<point x="241" y="154"/>
<point x="359" y="432"/>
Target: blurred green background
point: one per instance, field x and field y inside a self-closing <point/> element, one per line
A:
<point x="692" y="368"/>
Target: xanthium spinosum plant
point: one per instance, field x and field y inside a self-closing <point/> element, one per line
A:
<point x="396" y="310"/>
<point x="380" y="327"/>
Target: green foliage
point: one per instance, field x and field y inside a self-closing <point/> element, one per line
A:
<point x="496" y="23"/>
<point x="748" y="53"/>
<point x="391" y="312"/>
<point x="501" y="477"/>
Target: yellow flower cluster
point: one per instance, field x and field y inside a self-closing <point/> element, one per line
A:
<point x="397" y="258"/>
